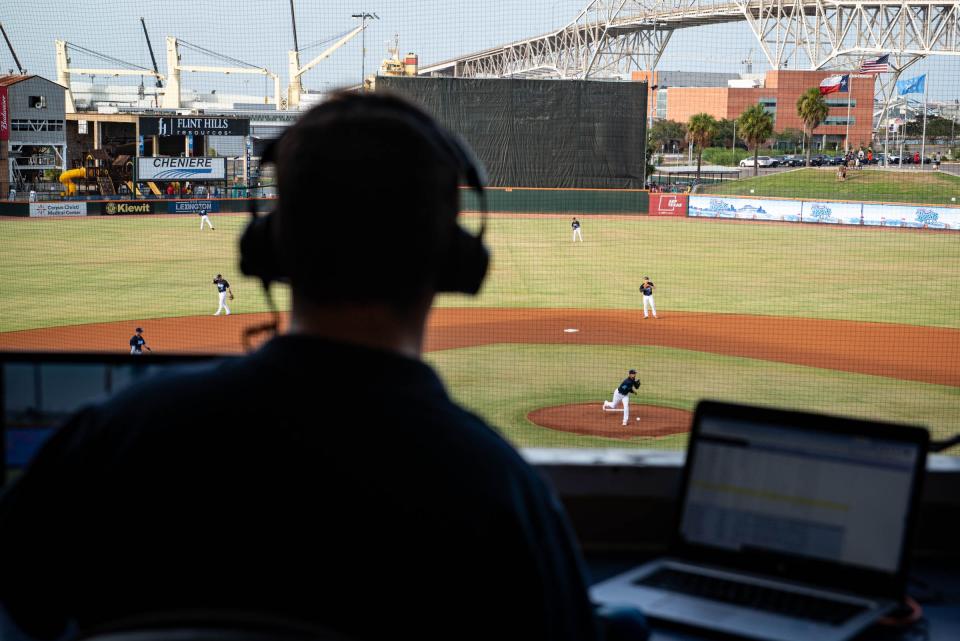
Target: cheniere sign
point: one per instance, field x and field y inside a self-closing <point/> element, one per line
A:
<point x="182" y="168"/>
<point x="196" y="126"/>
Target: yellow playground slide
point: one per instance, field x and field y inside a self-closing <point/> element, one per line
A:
<point x="67" y="178"/>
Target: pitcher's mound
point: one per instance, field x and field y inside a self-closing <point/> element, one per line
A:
<point x="591" y="420"/>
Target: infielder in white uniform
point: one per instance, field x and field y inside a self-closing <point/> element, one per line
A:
<point x="622" y="395"/>
<point x="576" y="230"/>
<point x="205" y="219"/>
<point x="646" y="288"/>
<point x="223" y="289"/>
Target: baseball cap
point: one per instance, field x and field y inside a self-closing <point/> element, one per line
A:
<point x="633" y="371"/>
<point x="139" y="329"/>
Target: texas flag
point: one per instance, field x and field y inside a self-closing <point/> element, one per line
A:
<point x="834" y="84"/>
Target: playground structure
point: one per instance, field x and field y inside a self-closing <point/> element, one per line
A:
<point x="101" y="173"/>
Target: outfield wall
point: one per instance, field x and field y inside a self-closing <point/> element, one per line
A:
<point x="559" y="201"/>
<point x="825" y="212"/>
<point x="499" y="199"/>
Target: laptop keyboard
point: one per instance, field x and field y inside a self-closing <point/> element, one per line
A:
<point x="757" y="597"/>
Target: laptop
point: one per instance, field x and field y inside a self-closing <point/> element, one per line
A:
<point x="39" y="391"/>
<point x="790" y="526"/>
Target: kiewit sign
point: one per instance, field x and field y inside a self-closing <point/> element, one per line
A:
<point x="193" y="168"/>
<point x="184" y="126"/>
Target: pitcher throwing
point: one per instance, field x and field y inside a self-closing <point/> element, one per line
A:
<point x="622" y="395"/>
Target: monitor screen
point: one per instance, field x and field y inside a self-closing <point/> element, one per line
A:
<point x="39" y="392"/>
<point x="760" y="487"/>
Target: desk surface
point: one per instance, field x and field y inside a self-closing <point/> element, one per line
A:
<point x="935" y="585"/>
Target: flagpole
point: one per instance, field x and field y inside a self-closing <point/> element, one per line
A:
<point x="923" y="136"/>
<point x="849" y="93"/>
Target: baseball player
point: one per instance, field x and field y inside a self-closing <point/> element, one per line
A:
<point x="622" y="395"/>
<point x="137" y="342"/>
<point x="223" y="290"/>
<point x="646" y="288"/>
<point x="204" y="218"/>
<point x="576" y="230"/>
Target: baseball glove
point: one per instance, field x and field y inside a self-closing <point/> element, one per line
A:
<point x="231" y="296"/>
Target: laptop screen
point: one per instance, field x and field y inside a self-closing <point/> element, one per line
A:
<point x="763" y="486"/>
<point x="39" y="391"/>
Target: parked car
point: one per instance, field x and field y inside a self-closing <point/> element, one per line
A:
<point x="762" y="161"/>
<point x="792" y="161"/>
<point x="838" y="160"/>
<point x="819" y="160"/>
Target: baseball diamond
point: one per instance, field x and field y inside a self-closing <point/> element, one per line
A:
<point x="802" y="317"/>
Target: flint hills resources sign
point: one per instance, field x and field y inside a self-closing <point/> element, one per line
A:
<point x="188" y="168"/>
<point x="164" y="127"/>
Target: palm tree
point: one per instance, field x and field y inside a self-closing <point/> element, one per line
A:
<point x="813" y="110"/>
<point x="700" y="130"/>
<point x="756" y="126"/>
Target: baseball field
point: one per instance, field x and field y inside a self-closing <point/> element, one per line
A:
<point x="856" y="321"/>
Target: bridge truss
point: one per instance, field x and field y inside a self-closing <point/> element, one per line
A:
<point x="611" y="38"/>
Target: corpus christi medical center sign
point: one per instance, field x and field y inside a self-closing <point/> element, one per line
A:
<point x="182" y="168"/>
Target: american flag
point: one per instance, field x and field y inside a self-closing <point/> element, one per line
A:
<point x="876" y="65"/>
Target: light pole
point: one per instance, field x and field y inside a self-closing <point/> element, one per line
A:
<point x="364" y="16"/>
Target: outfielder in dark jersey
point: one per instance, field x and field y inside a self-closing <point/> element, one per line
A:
<point x="576" y="230"/>
<point x="622" y="395"/>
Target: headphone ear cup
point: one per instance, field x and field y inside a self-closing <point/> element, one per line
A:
<point x="258" y="256"/>
<point x="465" y="265"/>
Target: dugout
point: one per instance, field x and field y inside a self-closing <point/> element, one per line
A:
<point x="583" y="134"/>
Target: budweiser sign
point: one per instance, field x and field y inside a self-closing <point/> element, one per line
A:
<point x="4" y="115"/>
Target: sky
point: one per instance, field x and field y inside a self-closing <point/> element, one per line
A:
<point x="259" y="32"/>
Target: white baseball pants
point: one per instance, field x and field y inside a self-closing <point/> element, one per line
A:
<point x="205" y="219"/>
<point x="617" y="399"/>
<point x="577" y="234"/>
<point x="648" y="300"/>
<point x="223" y="304"/>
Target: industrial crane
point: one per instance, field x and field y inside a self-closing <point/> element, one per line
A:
<point x="295" y="88"/>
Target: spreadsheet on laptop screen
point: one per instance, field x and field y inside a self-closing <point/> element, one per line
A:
<point x="835" y="497"/>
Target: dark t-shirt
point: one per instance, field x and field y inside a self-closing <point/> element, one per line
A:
<point x="137" y="342"/>
<point x="647" y="288"/>
<point x="222" y="285"/>
<point x="575" y="224"/>
<point x="407" y="517"/>
<point x="628" y="385"/>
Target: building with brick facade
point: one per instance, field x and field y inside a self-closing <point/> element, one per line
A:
<point x="679" y="95"/>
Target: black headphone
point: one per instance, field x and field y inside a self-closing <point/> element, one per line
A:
<point x="463" y="263"/>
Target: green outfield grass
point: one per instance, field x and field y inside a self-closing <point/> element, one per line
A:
<point x="547" y="375"/>
<point x="908" y="186"/>
<point x="64" y="272"/>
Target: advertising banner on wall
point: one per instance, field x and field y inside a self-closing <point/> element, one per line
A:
<point x="744" y="208"/>
<point x="919" y="216"/>
<point x="42" y="210"/>
<point x="182" y="168"/>
<point x="4" y="114"/>
<point x="668" y="205"/>
<point x="195" y="126"/>
<point x="194" y="206"/>
<point x="830" y="212"/>
<point x="124" y="208"/>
